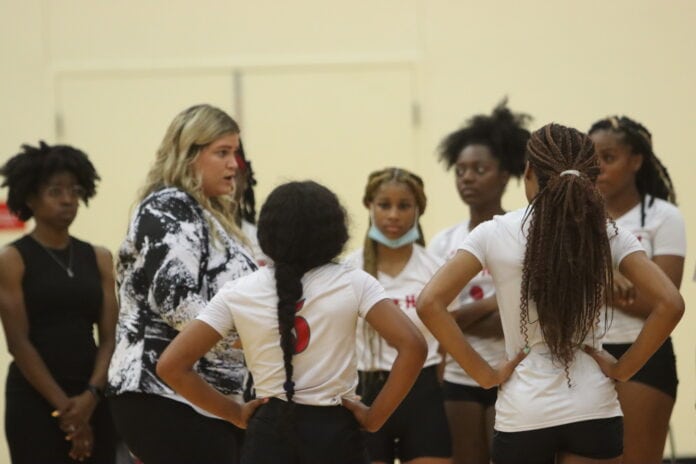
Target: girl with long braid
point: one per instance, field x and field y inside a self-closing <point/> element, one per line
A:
<point x="552" y="268"/>
<point x="296" y="319"/>
<point x="639" y="196"/>
<point x="394" y="254"/>
<point x="485" y="154"/>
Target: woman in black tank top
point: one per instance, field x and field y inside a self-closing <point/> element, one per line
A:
<point x="53" y="289"/>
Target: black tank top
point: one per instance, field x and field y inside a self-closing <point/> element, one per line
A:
<point x="61" y="310"/>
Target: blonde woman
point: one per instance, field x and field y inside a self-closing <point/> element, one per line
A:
<point x="182" y="246"/>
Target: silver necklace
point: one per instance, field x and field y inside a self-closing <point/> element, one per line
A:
<point x="68" y="268"/>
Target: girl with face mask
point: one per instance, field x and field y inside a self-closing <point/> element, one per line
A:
<point x="394" y="253"/>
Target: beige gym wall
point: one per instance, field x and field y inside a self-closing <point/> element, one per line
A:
<point x="333" y="90"/>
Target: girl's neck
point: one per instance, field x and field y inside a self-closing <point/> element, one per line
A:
<point x="392" y="261"/>
<point x="622" y="202"/>
<point x="483" y="213"/>
<point x="50" y="237"/>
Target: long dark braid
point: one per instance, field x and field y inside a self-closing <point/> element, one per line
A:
<point x="652" y="178"/>
<point x="301" y="226"/>
<point x="567" y="268"/>
<point x="247" y="205"/>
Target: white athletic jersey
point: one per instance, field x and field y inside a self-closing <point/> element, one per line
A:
<point x="403" y="290"/>
<point x="250" y="232"/>
<point x="662" y="234"/>
<point x="537" y="394"/>
<point x="334" y="296"/>
<point x="445" y="245"/>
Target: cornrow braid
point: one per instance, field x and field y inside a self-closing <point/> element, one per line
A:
<point x="652" y="178"/>
<point x="567" y="267"/>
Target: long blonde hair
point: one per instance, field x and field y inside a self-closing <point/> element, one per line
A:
<point x="191" y="131"/>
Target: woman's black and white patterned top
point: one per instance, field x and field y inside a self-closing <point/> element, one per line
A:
<point x="169" y="267"/>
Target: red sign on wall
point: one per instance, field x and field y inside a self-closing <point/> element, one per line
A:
<point x="9" y="221"/>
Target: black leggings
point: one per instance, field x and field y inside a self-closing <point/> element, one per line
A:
<point x="161" y="430"/>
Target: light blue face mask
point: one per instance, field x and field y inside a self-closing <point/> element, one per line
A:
<point x="409" y="237"/>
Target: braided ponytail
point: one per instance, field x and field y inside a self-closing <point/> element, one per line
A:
<point x="567" y="267"/>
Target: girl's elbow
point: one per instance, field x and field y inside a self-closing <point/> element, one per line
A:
<point x="165" y="371"/>
<point x="424" y="306"/>
<point x="677" y="307"/>
<point x="420" y="347"/>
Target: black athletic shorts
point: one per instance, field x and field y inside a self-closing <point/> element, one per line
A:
<point x="457" y="392"/>
<point x="418" y="427"/>
<point x="659" y="372"/>
<point x="595" y="439"/>
<point x="279" y="432"/>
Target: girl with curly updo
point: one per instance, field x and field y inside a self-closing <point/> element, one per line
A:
<point x="639" y="196"/>
<point x="297" y="319"/>
<point x="484" y="155"/>
<point x="393" y="253"/>
<point x="54" y="288"/>
<point x="552" y="265"/>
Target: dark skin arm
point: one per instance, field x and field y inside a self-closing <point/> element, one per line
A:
<point x="629" y="299"/>
<point x="82" y="407"/>
<point x="432" y="309"/>
<point x="16" y="326"/>
<point x="469" y="314"/>
<point x="668" y="307"/>
<point x="396" y="328"/>
<point x="175" y="367"/>
<point x="488" y="327"/>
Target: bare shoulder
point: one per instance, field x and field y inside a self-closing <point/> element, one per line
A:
<point x="11" y="264"/>
<point x="105" y="260"/>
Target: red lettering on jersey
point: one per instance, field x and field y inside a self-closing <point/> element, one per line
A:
<point x="396" y="301"/>
<point x="476" y="292"/>
<point x="301" y="333"/>
<point x="411" y="301"/>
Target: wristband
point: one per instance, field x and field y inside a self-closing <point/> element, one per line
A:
<point x="96" y="391"/>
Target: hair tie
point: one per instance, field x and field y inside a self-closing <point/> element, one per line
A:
<point x="573" y="172"/>
<point x="289" y="385"/>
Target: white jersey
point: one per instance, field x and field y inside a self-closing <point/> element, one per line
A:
<point x="662" y="234"/>
<point x="334" y="297"/>
<point x="537" y="394"/>
<point x="250" y="232"/>
<point x="445" y="245"/>
<point x="373" y="351"/>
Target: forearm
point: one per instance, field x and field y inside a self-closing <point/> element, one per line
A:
<point x="474" y="312"/>
<point x="488" y="327"/>
<point x="196" y="390"/>
<point x="101" y="364"/>
<point x="451" y="338"/>
<point x="639" y="307"/>
<point x="37" y="374"/>
<point x="656" y="329"/>
<point x="404" y="372"/>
